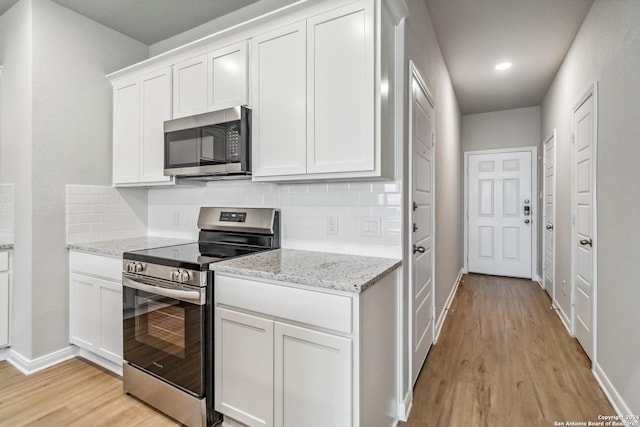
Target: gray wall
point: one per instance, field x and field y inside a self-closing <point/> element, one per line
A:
<point x="606" y="49"/>
<point x="516" y="128"/>
<point x="58" y="131"/>
<point x="422" y="47"/>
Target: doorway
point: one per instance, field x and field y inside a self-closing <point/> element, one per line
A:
<point x="584" y="224"/>
<point x="501" y="212"/>
<point x="549" y="220"/>
<point x="421" y="220"/>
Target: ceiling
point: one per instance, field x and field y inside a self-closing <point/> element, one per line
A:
<point x="148" y="21"/>
<point x="534" y="35"/>
<point x="474" y="35"/>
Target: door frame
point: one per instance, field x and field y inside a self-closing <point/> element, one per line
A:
<point x="414" y="74"/>
<point x="591" y="91"/>
<point x="552" y="137"/>
<point x="534" y="203"/>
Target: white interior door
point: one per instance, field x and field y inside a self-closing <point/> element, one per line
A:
<point x="422" y="143"/>
<point x="549" y="200"/>
<point x="584" y="128"/>
<point x="500" y="213"/>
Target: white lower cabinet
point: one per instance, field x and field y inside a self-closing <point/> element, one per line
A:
<point x="290" y="356"/>
<point x="95" y="308"/>
<point x="5" y="298"/>
<point x="312" y="378"/>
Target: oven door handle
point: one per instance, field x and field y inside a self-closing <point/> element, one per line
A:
<point x="193" y="297"/>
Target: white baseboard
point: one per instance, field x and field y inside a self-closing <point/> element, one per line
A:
<point x="563" y="317"/>
<point x="442" y="316"/>
<point x="540" y="281"/>
<point x="116" y="368"/>
<point x="404" y="407"/>
<point x="31" y="366"/>
<point x="610" y="391"/>
<point x="4" y="353"/>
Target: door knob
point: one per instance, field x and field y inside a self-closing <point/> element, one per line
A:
<point x="585" y="242"/>
<point x="526" y="221"/>
<point x="549" y="227"/>
<point x="415" y="227"/>
<point x="418" y="249"/>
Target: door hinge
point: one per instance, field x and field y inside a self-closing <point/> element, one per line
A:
<point x="433" y="139"/>
<point x="573" y="138"/>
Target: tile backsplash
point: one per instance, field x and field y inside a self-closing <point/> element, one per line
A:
<point x="97" y="213"/>
<point x="356" y="217"/>
<point x="6" y="213"/>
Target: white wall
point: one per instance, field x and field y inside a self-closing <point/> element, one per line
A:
<point x="422" y="47"/>
<point x="606" y="49"/>
<point x="56" y="129"/>
<point x="515" y="128"/>
<point x="6" y="213"/>
<point x="15" y="156"/>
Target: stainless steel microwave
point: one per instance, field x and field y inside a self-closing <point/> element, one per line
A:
<point x="210" y="145"/>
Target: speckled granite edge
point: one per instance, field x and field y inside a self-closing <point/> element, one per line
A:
<point x="117" y="247"/>
<point x="350" y="273"/>
<point x="5" y="246"/>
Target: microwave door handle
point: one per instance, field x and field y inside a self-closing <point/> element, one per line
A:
<point x="187" y="296"/>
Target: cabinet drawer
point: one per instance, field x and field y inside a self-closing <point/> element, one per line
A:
<point x="96" y="265"/>
<point x="312" y="307"/>
<point x="4" y="261"/>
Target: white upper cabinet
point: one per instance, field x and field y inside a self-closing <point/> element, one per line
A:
<point x="344" y="135"/>
<point x="140" y="107"/>
<point x="340" y="88"/>
<point x="126" y="132"/>
<point x="190" y="87"/>
<point x="211" y="81"/>
<point x="279" y="102"/>
<point x="156" y="109"/>
<point x="227" y="77"/>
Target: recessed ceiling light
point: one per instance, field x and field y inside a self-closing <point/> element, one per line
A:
<point x="503" y="66"/>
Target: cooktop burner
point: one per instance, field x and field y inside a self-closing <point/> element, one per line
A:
<point x="192" y="256"/>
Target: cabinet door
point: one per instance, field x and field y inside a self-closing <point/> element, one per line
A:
<point x="190" y="87"/>
<point x="340" y="104"/>
<point x="244" y="367"/>
<point x="84" y="314"/>
<point x="313" y="378"/>
<point x="110" y="300"/>
<point x="156" y="108"/>
<point x="126" y="133"/>
<point x="227" y="77"/>
<point x="4" y="309"/>
<point x="278" y="101"/>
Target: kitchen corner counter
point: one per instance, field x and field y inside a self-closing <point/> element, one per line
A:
<point x="350" y="273"/>
<point x="117" y="247"/>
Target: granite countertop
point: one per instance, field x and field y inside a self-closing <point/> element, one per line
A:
<point x="341" y="272"/>
<point x="119" y="246"/>
<point x="6" y="245"/>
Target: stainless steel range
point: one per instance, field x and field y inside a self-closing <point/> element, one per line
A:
<point x="168" y="311"/>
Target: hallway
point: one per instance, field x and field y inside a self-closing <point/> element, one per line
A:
<point x="505" y="359"/>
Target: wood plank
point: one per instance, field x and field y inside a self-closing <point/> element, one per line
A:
<point x="75" y="393"/>
<point x="503" y="359"/>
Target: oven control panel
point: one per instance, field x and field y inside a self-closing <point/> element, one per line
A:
<point x="165" y="272"/>
<point x="233" y="216"/>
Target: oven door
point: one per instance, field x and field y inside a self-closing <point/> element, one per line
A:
<point x="164" y="331"/>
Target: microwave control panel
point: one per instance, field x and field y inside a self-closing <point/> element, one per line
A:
<point x="233" y="143"/>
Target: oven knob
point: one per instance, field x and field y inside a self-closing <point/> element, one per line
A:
<point x="184" y="276"/>
<point x="130" y="267"/>
<point x="175" y="275"/>
<point x="139" y="267"/>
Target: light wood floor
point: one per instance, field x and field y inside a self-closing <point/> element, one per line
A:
<point x="504" y="358"/>
<point x="75" y="393"/>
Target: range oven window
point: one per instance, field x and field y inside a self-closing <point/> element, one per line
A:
<point x="165" y="336"/>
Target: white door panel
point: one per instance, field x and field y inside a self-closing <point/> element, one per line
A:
<point x="422" y="197"/>
<point x="584" y="227"/>
<point x="500" y="230"/>
<point x="548" y="266"/>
